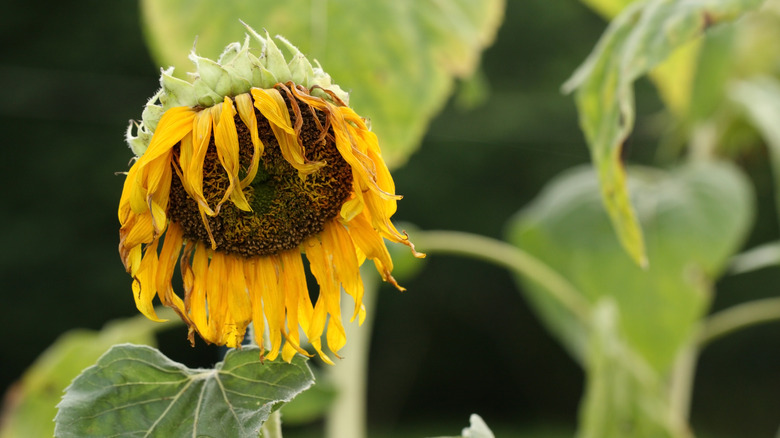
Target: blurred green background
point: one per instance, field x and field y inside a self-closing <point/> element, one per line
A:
<point x="461" y="339"/>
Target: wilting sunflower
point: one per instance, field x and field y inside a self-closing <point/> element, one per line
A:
<point x="240" y="173"/>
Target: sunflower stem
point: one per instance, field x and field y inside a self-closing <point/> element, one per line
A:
<point x="512" y="258"/>
<point x="739" y="317"/>
<point x="347" y="416"/>
<point x="272" y="428"/>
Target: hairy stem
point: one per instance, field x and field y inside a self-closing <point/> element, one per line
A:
<point x="272" y="428"/>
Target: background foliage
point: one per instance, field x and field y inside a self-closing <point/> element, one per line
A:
<point x="84" y="71"/>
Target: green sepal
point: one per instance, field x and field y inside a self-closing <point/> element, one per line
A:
<point x="176" y="92"/>
<point x="212" y="75"/>
<point x="300" y="67"/>
<point x="274" y="61"/>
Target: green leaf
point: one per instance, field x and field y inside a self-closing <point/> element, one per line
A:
<point x="695" y="218"/>
<point x="31" y="405"/>
<point x="397" y="58"/>
<point x="136" y="391"/>
<point x="760" y="98"/>
<point x="638" y="39"/>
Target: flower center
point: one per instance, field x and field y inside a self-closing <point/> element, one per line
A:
<point x="286" y="209"/>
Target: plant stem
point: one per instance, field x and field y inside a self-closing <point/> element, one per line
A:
<point x="681" y="388"/>
<point x="272" y="428"/>
<point x="347" y="416"/>
<point x="738" y="317"/>
<point x="512" y="258"/>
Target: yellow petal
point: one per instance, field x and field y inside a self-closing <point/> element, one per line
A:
<point x="329" y="302"/>
<point x="239" y="305"/>
<point x="370" y="243"/>
<point x="193" y="173"/>
<point x="169" y="254"/>
<point x="338" y="243"/>
<point x="273" y="302"/>
<point x="247" y="113"/>
<point x="194" y="279"/>
<point x="226" y="141"/>
<point x="144" y="289"/>
<point x="255" y="291"/>
<point x="272" y="106"/>
<point x="293" y="283"/>
<point x="174" y="124"/>
<point x="216" y="299"/>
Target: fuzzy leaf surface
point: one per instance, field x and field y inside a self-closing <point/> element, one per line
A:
<point x="397" y="58"/>
<point x="643" y="35"/>
<point x="135" y="391"/>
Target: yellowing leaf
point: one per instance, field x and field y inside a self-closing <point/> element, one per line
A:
<point x="397" y="58"/>
<point x="643" y="35"/>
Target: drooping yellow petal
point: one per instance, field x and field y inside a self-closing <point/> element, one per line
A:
<point x="127" y="189"/>
<point x="370" y="243"/>
<point x="321" y="264"/>
<point x="194" y="279"/>
<point x="293" y="283"/>
<point x="169" y="254"/>
<point x="226" y="141"/>
<point x="239" y="305"/>
<point x="193" y="173"/>
<point x="137" y="230"/>
<point x="272" y="106"/>
<point x="255" y="290"/>
<point x="174" y="124"/>
<point x="144" y="289"/>
<point x="336" y="240"/>
<point x="273" y="302"/>
<point x="216" y="299"/>
<point x="247" y="113"/>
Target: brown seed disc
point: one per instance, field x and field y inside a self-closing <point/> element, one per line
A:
<point x="285" y="208"/>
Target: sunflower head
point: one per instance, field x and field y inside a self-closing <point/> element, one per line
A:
<point x="241" y="172"/>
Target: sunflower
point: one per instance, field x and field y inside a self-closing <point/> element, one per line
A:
<point x="242" y="172"/>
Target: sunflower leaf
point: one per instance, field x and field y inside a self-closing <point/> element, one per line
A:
<point x="643" y="35"/>
<point x="31" y="403"/>
<point x="696" y="217"/>
<point x="397" y="58"/>
<point x="136" y="391"/>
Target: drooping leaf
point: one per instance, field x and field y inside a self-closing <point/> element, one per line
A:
<point x="695" y="218"/>
<point x="32" y="402"/>
<point x="135" y="391"/>
<point x="644" y="34"/>
<point x="398" y="58"/>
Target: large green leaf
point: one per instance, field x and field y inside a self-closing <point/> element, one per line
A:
<point x="644" y="34"/>
<point x="397" y="57"/>
<point x="695" y="217"/>
<point x="135" y="391"/>
<point x="32" y="402"/>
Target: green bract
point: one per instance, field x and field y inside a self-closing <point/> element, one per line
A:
<point x="235" y="72"/>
